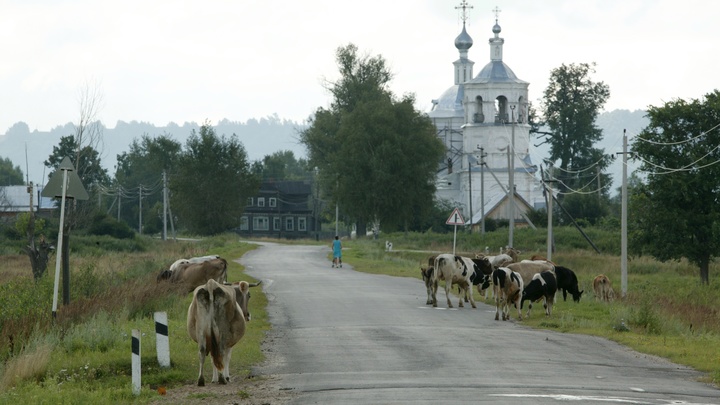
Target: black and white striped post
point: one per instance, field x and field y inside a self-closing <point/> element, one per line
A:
<point x="136" y="361"/>
<point x="162" y="342"/>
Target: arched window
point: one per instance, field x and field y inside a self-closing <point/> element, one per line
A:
<point x="478" y="117"/>
<point x="501" y="110"/>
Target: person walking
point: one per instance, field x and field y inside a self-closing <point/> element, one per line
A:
<point x="337" y="252"/>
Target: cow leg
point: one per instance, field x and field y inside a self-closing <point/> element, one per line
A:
<point x="201" y="358"/>
<point x="469" y="291"/>
<point x="517" y="305"/>
<point x="434" y="293"/>
<point x="226" y="374"/>
<point x="448" y="286"/>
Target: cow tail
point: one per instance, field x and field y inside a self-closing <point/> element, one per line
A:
<point x="215" y="350"/>
<point x="439" y="263"/>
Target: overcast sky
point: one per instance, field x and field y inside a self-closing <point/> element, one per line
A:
<point x="160" y="61"/>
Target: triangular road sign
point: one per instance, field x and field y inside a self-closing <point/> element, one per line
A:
<point x="455" y="218"/>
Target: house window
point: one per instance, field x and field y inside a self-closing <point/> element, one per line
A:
<point x="261" y="201"/>
<point x="272" y="201"/>
<point x="244" y="223"/>
<point x="249" y="201"/>
<point x="276" y="223"/>
<point x="302" y="224"/>
<point x="289" y="224"/>
<point x="261" y="223"/>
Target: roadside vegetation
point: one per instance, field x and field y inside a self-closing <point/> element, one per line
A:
<point x="84" y="355"/>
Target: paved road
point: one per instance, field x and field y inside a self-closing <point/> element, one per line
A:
<point x="344" y="337"/>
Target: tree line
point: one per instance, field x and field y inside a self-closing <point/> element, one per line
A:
<point x="375" y="156"/>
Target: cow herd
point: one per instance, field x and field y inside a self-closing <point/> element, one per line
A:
<point x="218" y="312"/>
<point x="511" y="280"/>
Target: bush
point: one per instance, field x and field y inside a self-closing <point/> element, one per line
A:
<point x="106" y="225"/>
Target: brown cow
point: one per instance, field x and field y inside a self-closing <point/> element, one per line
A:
<point x="216" y="321"/>
<point x="527" y="269"/>
<point x="197" y="274"/>
<point x="603" y="288"/>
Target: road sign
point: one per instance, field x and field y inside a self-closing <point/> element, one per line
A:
<point x="455" y="218"/>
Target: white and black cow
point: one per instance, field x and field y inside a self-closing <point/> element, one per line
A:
<point x="507" y="287"/>
<point x="541" y="287"/>
<point x="455" y="270"/>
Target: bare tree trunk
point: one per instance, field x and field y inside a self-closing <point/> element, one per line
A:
<point x="705" y="272"/>
<point x="38" y="253"/>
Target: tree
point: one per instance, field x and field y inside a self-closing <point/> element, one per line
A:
<point x="282" y="165"/>
<point x="676" y="213"/>
<point x="142" y="167"/>
<point x="211" y="183"/>
<point x="571" y="104"/>
<point x="89" y="166"/>
<point x="9" y="175"/>
<point x="377" y="156"/>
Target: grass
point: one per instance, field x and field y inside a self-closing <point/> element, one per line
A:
<point x="667" y="311"/>
<point x="83" y="356"/>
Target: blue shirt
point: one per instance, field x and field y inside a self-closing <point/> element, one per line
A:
<point x="337" y="248"/>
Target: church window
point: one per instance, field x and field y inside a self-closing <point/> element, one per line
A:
<point x="501" y="110"/>
<point x="478" y="117"/>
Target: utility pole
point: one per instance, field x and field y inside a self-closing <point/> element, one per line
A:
<point x="119" y="197"/>
<point x="470" y="183"/>
<point x="548" y="189"/>
<point x="482" y="189"/>
<point x="164" y="235"/>
<point x="623" y="221"/>
<point x="511" y="175"/>
<point x="140" y="210"/>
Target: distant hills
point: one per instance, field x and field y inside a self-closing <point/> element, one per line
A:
<point x="260" y="137"/>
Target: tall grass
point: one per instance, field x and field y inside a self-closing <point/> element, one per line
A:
<point x="82" y="356"/>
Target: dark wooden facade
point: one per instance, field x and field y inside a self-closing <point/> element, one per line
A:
<point x="281" y="209"/>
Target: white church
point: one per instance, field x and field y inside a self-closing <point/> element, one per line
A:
<point x="484" y="119"/>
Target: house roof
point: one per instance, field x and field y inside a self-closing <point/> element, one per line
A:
<point x="493" y="203"/>
<point x="287" y="187"/>
<point x="17" y="199"/>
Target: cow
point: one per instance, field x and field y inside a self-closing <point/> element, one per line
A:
<point x="512" y="252"/>
<point x="197" y="274"/>
<point x="496" y="261"/>
<point x="166" y="274"/>
<point x="201" y="259"/>
<point x="454" y="270"/>
<point x="507" y="287"/>
<point x="541" y="287"/>
<point x="216" y="322"/>
<point x="427" y="276"/>
<point x="603" y="288"/>
<point x="567" y="282"/>
<point x="527" y="269"/>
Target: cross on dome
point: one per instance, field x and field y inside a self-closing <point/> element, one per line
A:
<point x="464" y="6"/>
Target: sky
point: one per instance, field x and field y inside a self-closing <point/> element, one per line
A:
<point x="178" y="61"/>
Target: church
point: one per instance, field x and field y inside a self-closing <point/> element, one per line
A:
<point x="483" y="122"/>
